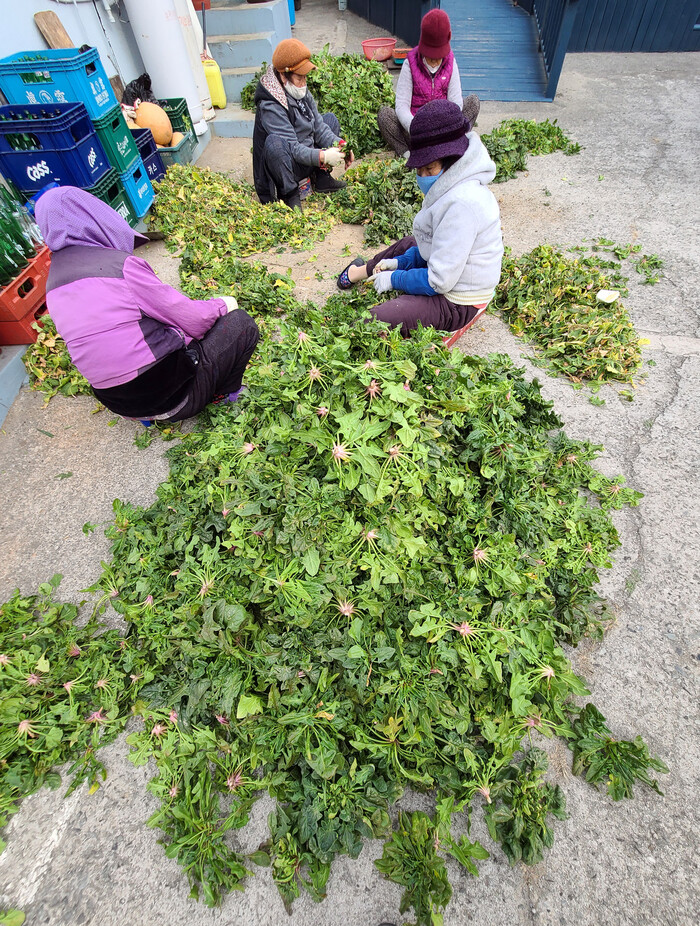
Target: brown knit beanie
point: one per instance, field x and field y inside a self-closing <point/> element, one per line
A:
<point x="292" y="55"/>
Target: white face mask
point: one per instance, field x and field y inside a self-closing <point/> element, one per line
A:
<point x="432" y="70"/>
<point x="296" y="93"/>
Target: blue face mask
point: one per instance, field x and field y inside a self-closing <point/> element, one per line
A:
<point x="424" y="183"/>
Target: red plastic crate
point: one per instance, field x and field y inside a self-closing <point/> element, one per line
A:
<point x="21" y="331"/>
<point x="27" y="291"/>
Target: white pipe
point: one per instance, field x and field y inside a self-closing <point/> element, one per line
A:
<point x="108" y="10"/>
<point x="197" y="28"/>
<point x="186" y="13"/>
<point x="158" y="34"/>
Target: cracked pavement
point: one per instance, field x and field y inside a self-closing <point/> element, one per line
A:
<point x="91" y="859"/>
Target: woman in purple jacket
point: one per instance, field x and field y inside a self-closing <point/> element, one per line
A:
<point x="429" y="72"/>
<point x="147" y="351"/>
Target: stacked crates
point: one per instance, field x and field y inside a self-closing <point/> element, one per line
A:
<point x="125" y="158"/>
<point x="23" y="273"/>
<point x="181" y="121"/>
<point x="156" y="159"/>
<point x="150" y="154"/>
<point x="88" y="145"/>
<point x="56" y="143"/>
<point x="58" y="75"/>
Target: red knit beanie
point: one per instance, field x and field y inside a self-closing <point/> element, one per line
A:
<point x="435" y="35"/>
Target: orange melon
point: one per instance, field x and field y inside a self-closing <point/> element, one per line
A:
<point x="154" y="117"/>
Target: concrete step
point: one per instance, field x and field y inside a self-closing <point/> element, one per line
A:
<point x="235" y="16"/>
<point x="245" y="50"/>
<point x="233" y="122"/>
<point x="235" y="80"/>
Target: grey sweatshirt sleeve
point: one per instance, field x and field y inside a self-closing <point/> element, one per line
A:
<point x="275" y="122"/>
<point x="454" y="89"/>
<point x="404" y="95"/>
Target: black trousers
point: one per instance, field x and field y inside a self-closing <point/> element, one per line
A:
<point x="223" y="354"/>
<point x="281" y="166"/>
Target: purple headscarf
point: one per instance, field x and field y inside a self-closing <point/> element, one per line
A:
<point x="69" y="216"/>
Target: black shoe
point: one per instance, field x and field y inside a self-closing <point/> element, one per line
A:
<point x="324" y="182"/>
<point x="344" y="281"/>
<point x="293" y="200"/>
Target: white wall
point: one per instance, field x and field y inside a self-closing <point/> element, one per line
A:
<point x="85" y="21"/>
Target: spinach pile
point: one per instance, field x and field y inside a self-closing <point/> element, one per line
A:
<point x="383" y="196"/>
<point x="49" y="365"/>
<point x="550" y="299"/>
<point x="356" y="580"/>
<point x="349" y="86"/>
<point x="649" y="266"/>
<point x="64" y="692"/>
<point x="510" y="143"/>
<point x="206" y="211"/>
<point x="263" y="294"/>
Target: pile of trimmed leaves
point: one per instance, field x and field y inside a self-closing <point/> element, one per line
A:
<point x="64" y="692"/>
<point x="359" y="579"/>
<point x="208" y="212"/>
<point x="397" y="621"/>
<point x="383" y="196"/>
<point x="49" y="366"/>
<point x="350" y="87"/>
<point x="650" y="266"/>
<point x="511" y="142"/>
<point x="262" y="294"/>
<point x="550" y="299"/>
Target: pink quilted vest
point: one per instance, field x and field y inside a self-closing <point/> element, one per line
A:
<point x="427" y="87"/>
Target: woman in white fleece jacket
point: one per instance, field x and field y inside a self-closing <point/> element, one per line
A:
<point x="448" y="269"/>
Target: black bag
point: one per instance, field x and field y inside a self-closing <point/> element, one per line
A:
<point x="139" y="89"/>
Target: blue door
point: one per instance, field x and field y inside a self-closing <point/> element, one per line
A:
<point x="506" y="53"/>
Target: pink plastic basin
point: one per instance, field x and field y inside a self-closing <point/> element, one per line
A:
<point x="378" y="49"/>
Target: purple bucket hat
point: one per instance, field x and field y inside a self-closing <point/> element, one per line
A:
<point x="438" y="129"/>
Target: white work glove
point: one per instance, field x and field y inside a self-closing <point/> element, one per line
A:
<point x="231" y="303"/>
<point x="389" y="263"/>
<point x="382" y="282"/>
<point x="332" y="157"/>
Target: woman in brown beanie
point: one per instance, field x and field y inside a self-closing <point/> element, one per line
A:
<point x="428" y="73"/>
<point x="445" y="273"/>
<point x="291" y="141"/>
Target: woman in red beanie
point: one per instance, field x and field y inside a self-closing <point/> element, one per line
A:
<point x="428" y="73"/>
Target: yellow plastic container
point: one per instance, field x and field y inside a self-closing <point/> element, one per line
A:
<point x="212" y="72"/>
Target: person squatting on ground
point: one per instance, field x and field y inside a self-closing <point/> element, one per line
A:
<point x="147" y="351"/>
<point x="291" y="141"/>
<point x="428" y="73"/>
<point x="448" y="269"/>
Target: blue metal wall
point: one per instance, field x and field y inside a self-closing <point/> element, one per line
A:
<point x="636" y="25"/>
<point x="400" y="17"/>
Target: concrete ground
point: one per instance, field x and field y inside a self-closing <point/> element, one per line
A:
<point x="91" y="860"/>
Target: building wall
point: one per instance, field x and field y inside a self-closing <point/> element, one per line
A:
<point x="86" y="22"/>
<point x="636" y="25"/>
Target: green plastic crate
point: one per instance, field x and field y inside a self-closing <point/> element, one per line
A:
<point x="117" y="140"/>
<point x="180" y="154"/>
<point x="179" y="115"/>
<point x="111" y="191"/>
